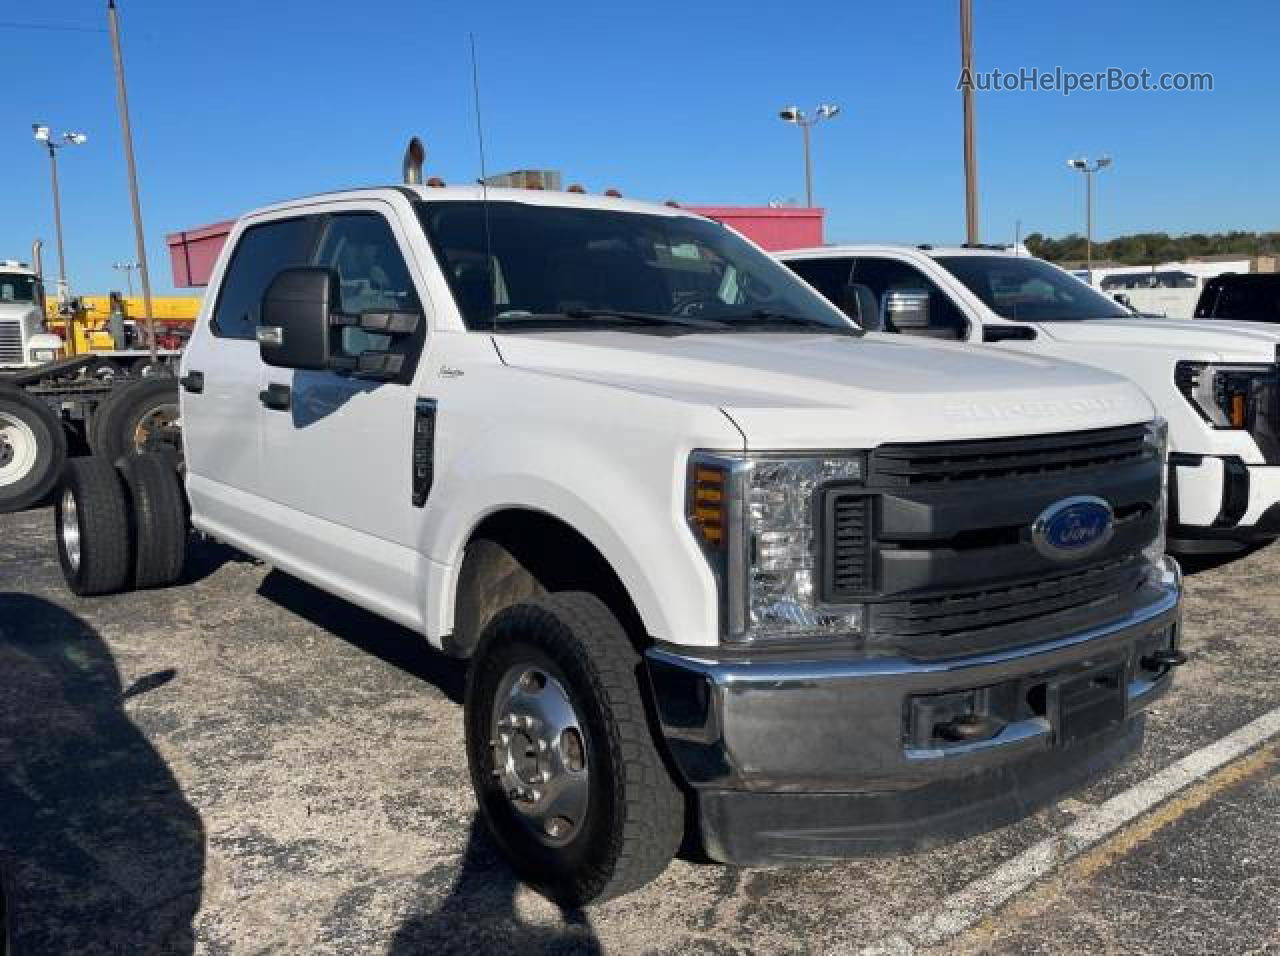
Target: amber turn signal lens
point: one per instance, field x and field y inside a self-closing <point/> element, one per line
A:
<point x="1238" y="410"/>
<point x="707" y="505"/>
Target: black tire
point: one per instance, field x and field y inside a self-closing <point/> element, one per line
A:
<point x="139" y="417"/>
<point x="158" y="519"/>
<point x="33" y="449"/>
<point x="634" y="817"/>
<point x="94" y="546"/>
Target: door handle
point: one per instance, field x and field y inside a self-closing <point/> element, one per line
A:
<point x="193" y="382"/>
<point x="276" y="397"/>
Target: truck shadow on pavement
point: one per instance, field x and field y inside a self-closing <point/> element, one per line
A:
<point x="102" y="850"/>
<point x="479" y="914"/>
<point x="398" y="646"/>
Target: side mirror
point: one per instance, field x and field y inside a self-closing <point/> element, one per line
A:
<point x="858" y="302"/>
<point x="302" y="326"/>
<point x="905" y="310"/>
<point x="295" y="331"/>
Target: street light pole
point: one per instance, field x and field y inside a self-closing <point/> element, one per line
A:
<point x="806" y="122"/>
<point x="57" y="223"/>
<point x="1089" y="167"/>
<point x="44" y="136"/>
<point x="122" y="96"/>
<point x="127" y="268"/>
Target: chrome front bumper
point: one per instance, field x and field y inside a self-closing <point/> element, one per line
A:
<point x="858" y="751"/>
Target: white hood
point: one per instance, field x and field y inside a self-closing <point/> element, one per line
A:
<point x="822" y="391"/>
<point x="18" y="310"/>
<point x="1239" y="341"/>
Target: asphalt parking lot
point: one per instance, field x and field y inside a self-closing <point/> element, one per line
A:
<point x="246" y="765"/>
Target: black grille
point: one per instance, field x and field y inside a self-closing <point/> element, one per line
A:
<point x="992" y="609"/>
<point x="847" y="529"/>
<point x="1002" y="458"/>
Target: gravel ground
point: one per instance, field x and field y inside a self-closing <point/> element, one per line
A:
<point x="246" y="765"/>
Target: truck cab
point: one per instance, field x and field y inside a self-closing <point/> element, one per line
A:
<point x="24" y="340"/>
<point x="714" y="554"/>
<point x="1215" y="382"/>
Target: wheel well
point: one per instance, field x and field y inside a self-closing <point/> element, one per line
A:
<point x="517" y="554"/>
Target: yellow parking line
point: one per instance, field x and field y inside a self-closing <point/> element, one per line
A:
<point x="1116" y="847"/>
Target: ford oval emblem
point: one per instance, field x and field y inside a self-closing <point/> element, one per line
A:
<point x="1073" y="528"/>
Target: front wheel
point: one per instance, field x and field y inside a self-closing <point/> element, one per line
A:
<point x="565" y="768"/>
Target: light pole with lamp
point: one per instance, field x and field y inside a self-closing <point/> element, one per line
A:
<point x="806" y="121"/>
<point x="46" y="138"/>
<point x="1089" y="167"/>
<point x="127" y="268"/>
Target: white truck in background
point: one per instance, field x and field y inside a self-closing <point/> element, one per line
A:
<point x="714" y="554"/>
<point x="1217" y="383"/>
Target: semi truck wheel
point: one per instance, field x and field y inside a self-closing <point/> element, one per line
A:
<point x="159" y="519"/>
<point x="139" y="417"/>
<point x="92" y="528"/>
<point x="33" y="448"/>
<point x="565" y="767"/>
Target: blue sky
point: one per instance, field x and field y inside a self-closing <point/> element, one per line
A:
<point x="238" y="103"/>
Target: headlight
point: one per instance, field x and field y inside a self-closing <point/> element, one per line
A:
<point x="46" y="355"/>
<point x="1245" y="397"/>
<point x="1157" y="441"/>
<point x="754" y="517"/>
<point x="1224" y="395"/>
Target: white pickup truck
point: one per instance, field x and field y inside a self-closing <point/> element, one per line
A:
<point x="715" y="554"/>
<point x="1217" y="383"/>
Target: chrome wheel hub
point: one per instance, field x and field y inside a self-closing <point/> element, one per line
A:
<point x="540" y="754"/>
<point x="18" y="448"/>
<point x="158" y="429"/>
<point x="70" y="529"/>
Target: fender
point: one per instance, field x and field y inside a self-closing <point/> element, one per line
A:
<point x="665" y="574"/>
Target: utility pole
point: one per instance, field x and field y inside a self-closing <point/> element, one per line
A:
<point x="122" y="96"/>
<point x="970" y="149"/>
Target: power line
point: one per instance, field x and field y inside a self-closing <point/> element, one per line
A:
<point x="55" y="27"/>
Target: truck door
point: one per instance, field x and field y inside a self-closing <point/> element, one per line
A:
<point x="222" y="376"/>
<point x="338" y="456"/>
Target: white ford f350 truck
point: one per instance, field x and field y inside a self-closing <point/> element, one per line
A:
<point x="1217" y="383"/>
<point x="715" y="554"/>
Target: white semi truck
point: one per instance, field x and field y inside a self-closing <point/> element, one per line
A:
<point x="1217" y="383"/>
<point x="715" y="555"/>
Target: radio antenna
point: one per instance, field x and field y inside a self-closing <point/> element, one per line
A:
<point x="484" y="190"/>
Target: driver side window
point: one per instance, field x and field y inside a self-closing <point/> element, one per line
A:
<point x="906" y="286"/>
<point x="372" y="273"/>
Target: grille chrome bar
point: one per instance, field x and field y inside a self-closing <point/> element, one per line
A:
<point x="11" y="342"/>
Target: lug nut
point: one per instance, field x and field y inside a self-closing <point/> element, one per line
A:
<point x="545" y="776"/>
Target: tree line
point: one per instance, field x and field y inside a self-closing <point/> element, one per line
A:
<point x="1149" y="248"/>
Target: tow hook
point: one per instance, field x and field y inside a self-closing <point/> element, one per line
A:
<point x="968" y="727"/>
<point x="1166" y="657"/>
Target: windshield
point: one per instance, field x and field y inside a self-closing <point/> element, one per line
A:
<point x="17" y="288"/>
<point x="1031" y="290"/>
<point x="556" y="266"/>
